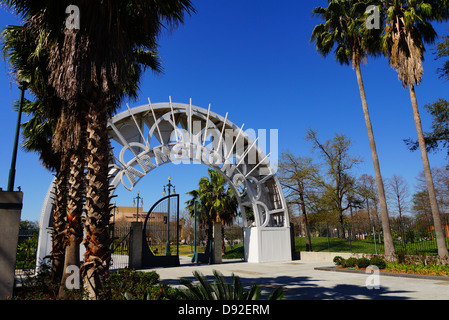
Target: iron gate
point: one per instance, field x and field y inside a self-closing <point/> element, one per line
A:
<point x="121" y="247"/>
<point x="160" y="240"/>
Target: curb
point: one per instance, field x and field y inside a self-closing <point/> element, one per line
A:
<point x="388" y="274"/>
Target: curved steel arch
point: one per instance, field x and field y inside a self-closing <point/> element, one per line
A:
<point x="151" y="135"/>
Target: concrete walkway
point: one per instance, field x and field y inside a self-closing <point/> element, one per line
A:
<point x="301" y="281"/>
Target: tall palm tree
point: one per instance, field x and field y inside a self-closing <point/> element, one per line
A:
<point x="26" y="48"/>
<point x="219" y="200"/>
<point x="37" y="134"/>
<point x="21" y="47"/>
<point x="408" y="28"/>
<point x="345" y="29"/>
<point x="91" y="69"/>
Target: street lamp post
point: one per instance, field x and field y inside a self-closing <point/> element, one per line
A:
<point x="169" y="186"/>
<point x="12" y="170"/>
<point x="113" y="223"/>
<point x="136" y="200"/>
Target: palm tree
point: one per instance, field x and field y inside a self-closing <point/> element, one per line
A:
<point x="28" y="61"/>
<point x="407" y="30"/>
<point x="37" y="133"/>
<point x="90" y="70"/>
<point x="345" y="28"/>
<point x="219" y="200"/>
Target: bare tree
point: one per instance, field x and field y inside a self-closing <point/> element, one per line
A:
<point x="366" y="187"/>
<point x="297" y="176"/>
<point x="339" y="164"/>
<point x="399" y="194"/>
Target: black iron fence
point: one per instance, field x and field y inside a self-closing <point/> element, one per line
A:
<point x="411" y="235"/>
<point x="121" y="246"/>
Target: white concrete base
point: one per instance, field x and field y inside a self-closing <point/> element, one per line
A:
<point x="267" y="244"/>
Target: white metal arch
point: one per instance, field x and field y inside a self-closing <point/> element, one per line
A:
<point x="148" y="136"/>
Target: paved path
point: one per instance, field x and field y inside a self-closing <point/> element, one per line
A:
<point x="302" y="282"/>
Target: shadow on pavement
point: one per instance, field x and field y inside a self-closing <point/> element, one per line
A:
<point x="306" y="288"/>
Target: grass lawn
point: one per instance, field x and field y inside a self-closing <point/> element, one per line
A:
<point x="323" y="244"/>
<point x="236" y="252"/>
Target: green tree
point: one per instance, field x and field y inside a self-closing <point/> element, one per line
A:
<point x="218" y="198"/>
<point x="346" y="28"/>
<point x="442" y="51"/>
<point x="421" y="205"/>
<point x="408" y="28"/>
<point x="438" y="138"/>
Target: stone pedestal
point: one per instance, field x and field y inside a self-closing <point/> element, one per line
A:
<point x="10" y="210"/>
<point x="135" y="252"/>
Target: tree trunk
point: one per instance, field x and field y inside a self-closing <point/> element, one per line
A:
<point x="59" y="222"/>
<point x="74" y="232"/>
<point x="388" y="239"/>
<point x="223" y="245"/>
<point x="306" y="222"/>
<point x="441" y="240"/>
<point x="342" y="224"/>
<point x="97" y="239"/>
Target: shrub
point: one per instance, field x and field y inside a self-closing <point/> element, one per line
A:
<point x="363" y="263"/>
<point x="350" y="262"/>
<point x="338" y="260"/>
<point x="136" y="283"/>
<point x="378" y="262"/>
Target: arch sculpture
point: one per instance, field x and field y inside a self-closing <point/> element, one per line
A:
<point x="148" y="136"/>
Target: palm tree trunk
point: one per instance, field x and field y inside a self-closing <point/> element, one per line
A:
<point x="59" y="222"/>
<point x="441" y="240"/>
<point x="97" y="238"/>
<point x="388" y="239"/>
<point x="74" y="232"/>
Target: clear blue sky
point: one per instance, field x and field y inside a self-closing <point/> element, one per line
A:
<point x="254" y="60"/>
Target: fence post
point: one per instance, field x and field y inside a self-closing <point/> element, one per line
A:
<point x="135" y="254"/>
<point x="374" y="237"/>
<point x="350" y="237"/>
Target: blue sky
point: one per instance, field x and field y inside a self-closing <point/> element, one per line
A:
<point x="257" y="63"/>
